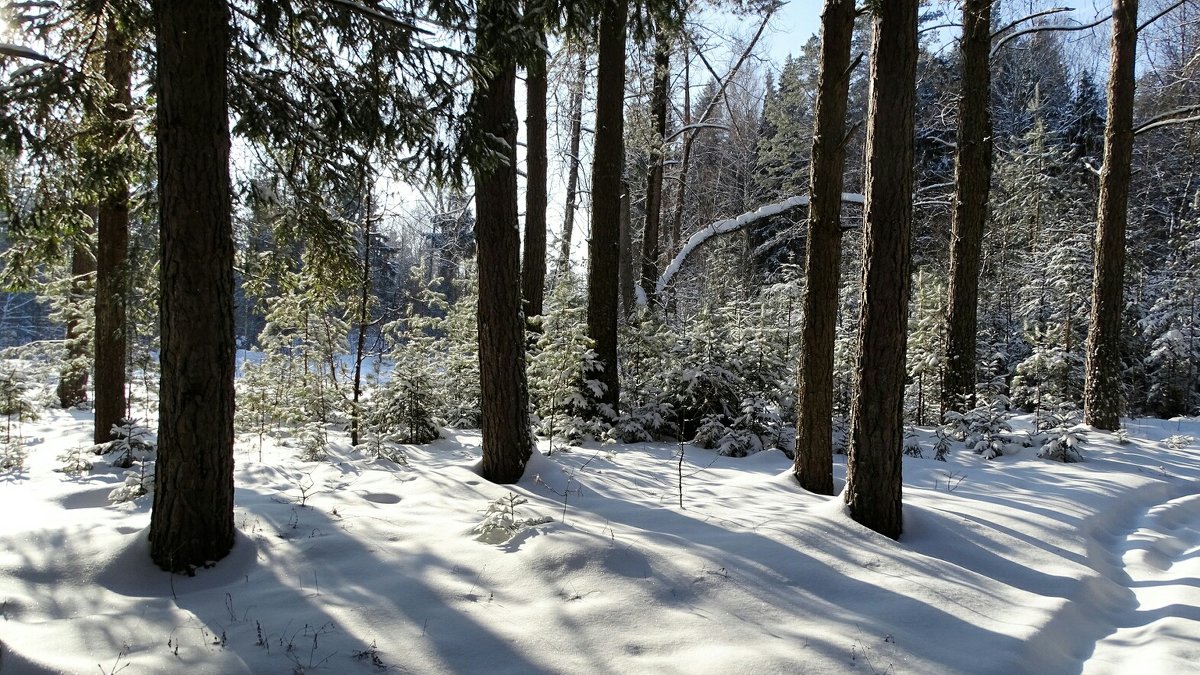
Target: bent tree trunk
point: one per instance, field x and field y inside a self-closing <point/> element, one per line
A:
<point x="576" y="112"/>
<point x="192" y="522"/>
<point x="873" y="475"/>
<point x="1102" y="383"/>
<point x="814" y="399"/>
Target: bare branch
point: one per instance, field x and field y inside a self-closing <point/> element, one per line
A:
<point x="1030" y="17"/>
<point x="379" y="15"/>
<point x="1177" y="116"/>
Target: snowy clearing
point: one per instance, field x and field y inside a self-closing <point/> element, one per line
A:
<point x="591" y="565"/>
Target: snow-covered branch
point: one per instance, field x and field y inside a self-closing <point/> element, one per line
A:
<point x="19" y="52"/>
<point x="733" y="225"/>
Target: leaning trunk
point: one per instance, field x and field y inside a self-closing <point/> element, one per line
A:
<point x="576" y="108"/>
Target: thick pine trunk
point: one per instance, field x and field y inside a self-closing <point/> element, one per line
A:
<point x="533" y="263"/>
<point x="873" y="478"/>
<point x="607" y="164"/>
<point x="507" y="444"/>
<point x="576" y="112"/>
<point x="654" y="182"/>
<point x="112" y="249"/>
<point x="192" y="521"/>
<point x="814" y="399"/>
<point x="972" y="181"/>
<point x="1102" y="384"/>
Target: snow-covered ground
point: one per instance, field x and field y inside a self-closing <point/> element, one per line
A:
<point x="1017" y="565"/>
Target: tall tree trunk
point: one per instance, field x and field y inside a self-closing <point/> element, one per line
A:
<point x="654" y="183"/>
<point x="73" y="380"/>
<point x="112" y="250"/>
<point x="533" y="263"/>
<point x="507" y="444"/>
<point x="685" y="159"/>
<point x="972" y="181"/>
<point x="192" y="522"/>
<point x="607" y="163"/>
<point x="1102" y="384"/>
<point x="873" y="477"/>
<point x="814" y="399"/>
<point x="576" y="112"/>
<point x="626" y="279"/>
<point x="364" y="297"/>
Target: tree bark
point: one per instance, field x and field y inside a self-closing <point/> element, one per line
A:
<point x="814" y="399"/>
<point x="873" y="478"/>
<point x="654" y="182"/>
<point x="576" y="112"/>
<point x="607" y="163"/>
<point x="507" y="444"/>
<point x="972" y="182"/>
<point x="626" y="279"/>
<point x="1102" y="383"/>
<point x="112" y="250"/>
<point x="73" y="380"/>
<point x="192" y="522"/>
<point x="533" y="263"/>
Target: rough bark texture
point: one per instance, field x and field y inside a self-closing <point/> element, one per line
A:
<point x="1102" y="384"/>
<point x="972" y="181"/>
<point x="607" y="163"/>
<point x="73" y="380"/>
<point x="873" y="478"/>
<point x="654" y="182"/>
<point x="533" y="263"/>
<point x="192" y="521"/>
<point x="576" y="108"/>
<point x="814" y="399"/>
<point x="112" y="247"/>
<point x="507" y="444"/>
<point x="626" y="278"/>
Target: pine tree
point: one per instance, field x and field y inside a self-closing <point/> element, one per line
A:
<point x="972" y="180"/>
<point x="1102" y="386"/>
<point x="507" y="444"/>
<point x="191" y="524"/>
<point x="873" y="478"/>
<point x="814" y="400"/>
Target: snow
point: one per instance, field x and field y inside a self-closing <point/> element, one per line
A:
<point x="734" y="224"/>
<point x="1012" y="565"/>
